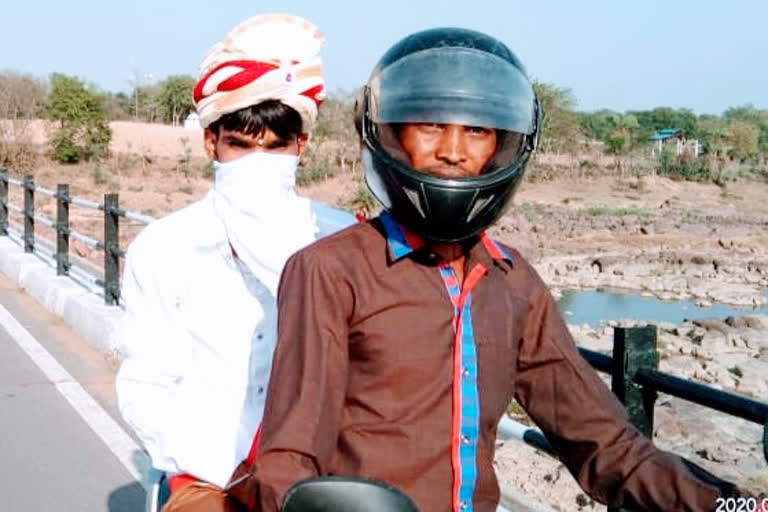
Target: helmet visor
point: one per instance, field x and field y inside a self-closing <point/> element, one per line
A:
<point x="460" y="86"/>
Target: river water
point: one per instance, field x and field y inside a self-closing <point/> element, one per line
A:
<point x="590" y="307"/>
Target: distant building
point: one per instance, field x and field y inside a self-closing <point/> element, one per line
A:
<point x="192" y="122"/>
<point x="668" y="136"/>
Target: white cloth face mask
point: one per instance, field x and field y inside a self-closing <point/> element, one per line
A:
<point x="264" y="219"/>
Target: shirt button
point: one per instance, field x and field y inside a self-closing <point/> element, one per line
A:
<point x="465" y="440"/>
<point x="259" y="336"/>
<point x="261" y="389"/>
<point x="466" y="372"/>
<point x="463" y="505"/>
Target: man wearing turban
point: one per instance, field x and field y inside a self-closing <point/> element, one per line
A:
<point x="199" y="285"/>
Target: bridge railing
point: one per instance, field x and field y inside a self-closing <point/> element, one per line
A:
<point x="636" y="381"/>
<point x="59" y="253"/>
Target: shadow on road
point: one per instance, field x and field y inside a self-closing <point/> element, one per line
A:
<point x="128" y="498"/>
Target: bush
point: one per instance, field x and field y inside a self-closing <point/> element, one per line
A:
<point x="19" y="157"/>
<point x="308" y="174"/>
<point x="600" y="211"/>
<point x="63" y="147"/>
<point x="362" y="201"/>
<point x="683" y="167"/>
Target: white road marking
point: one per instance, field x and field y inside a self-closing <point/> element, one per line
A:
<point x="117" y="440"/>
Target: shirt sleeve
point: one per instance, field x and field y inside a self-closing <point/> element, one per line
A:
<point x="307" y="386"/>
<point x="151" y="361"/>
<point x="589" y="429"/>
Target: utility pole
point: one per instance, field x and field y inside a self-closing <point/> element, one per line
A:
<point x="133" y="79"/>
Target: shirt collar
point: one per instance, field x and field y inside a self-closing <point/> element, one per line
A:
<point x="402" y="242"/>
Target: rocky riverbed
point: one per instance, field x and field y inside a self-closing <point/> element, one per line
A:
<point x="674" y="241"/>
<point x="668" y="239"/>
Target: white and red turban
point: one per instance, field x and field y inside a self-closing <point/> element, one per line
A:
<point x="266" y="57"/>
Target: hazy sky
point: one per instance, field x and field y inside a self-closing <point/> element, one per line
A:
<point x="703" y="55"/>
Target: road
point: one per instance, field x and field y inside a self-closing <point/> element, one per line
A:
<point x="62" y="446"/>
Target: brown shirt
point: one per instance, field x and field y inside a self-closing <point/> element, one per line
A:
<point x="363" y="382"/>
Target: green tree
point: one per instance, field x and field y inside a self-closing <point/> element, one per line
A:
<point x="747" y="113"/>
<point x="713" y="134"/>
<point x="665" y="117"/>
<point x="82" y="132"/>
<point x="174" y="98"/>
<point x="743" y="138"/>
<point x="598" y="125"/>
<point x="751" y="115"/>
<point x="623" y="136"/>
<point x="561" y="130"/>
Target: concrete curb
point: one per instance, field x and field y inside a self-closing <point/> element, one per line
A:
<point x="82" y="310"/>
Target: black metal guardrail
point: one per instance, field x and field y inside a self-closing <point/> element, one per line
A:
<point x="636" y="381"/>
<point x="110" y="245"/>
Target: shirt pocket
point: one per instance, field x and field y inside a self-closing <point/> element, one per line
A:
<point x="498" y="328"/>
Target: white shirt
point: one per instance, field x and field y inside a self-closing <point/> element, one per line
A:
<point x="197" y="342"/>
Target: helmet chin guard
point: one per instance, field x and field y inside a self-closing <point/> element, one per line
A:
<point x="447" y="76"/>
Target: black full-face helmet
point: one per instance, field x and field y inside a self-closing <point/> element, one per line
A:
<point x="447" y="76"/>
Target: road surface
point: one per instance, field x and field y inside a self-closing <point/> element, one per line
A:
<point x="62" y="446"/>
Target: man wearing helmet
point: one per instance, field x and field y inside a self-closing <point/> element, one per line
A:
<point x="403" y="340"/>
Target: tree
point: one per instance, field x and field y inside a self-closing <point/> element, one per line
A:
<point x="119" y="106"/>
<point x="659" y="118"/>
<point x="80" y="112"/>
<point x="743" y="139"/>
<point x="336" y="118"/>
<point x="713" y="134"/>
<point x="753" y="116"/>
<point x="598" y="125"/>
<point x="561" y="129"/>
<point x="747" y="113"/>
<point x="624" y="133"/>
<point x="174" y="98"/>
<point x="334" y="140"/>
<point x="146" y="98"/>
<point x="22" y="98"/>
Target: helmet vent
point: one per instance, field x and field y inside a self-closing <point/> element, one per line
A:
<point x="478" y="207"/>
<point x="413" y="195"/>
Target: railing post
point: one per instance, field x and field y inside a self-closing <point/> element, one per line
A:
<point x="635" y="348"/>
<point x="3" y="201"/>
<point x="765" y="440"/>
<point x="111" y="250"/>
<point x="62" y="230"/>
<point x="29" y="213"/>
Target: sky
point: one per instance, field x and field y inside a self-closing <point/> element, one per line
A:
<point x="703" y="55"/>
